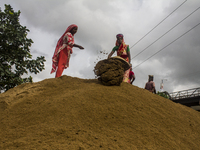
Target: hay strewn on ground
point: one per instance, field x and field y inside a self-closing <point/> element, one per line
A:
<point x="69" y="113"/>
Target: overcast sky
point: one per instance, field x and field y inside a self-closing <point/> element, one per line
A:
<point x="177" y="44"/>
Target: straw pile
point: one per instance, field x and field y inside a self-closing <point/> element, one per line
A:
<point x="111" y="71"/>
<point x="69" y="113"/>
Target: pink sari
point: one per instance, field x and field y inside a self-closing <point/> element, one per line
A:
<point x="63" y="46"/>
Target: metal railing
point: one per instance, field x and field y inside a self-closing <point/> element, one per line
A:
<point x="185" y="94"/>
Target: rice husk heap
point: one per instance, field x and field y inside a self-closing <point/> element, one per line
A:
<point x="111" y="71"/>
<point x="68" y="113"/>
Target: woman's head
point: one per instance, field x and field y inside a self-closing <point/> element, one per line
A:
<point x="119" y="38"/>
<point x="119" y="35"/>
<point x="150" y="77"/>
<point x="72" y="29"/>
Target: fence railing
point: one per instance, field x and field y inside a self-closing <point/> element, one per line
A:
<point x="185" y="94"/>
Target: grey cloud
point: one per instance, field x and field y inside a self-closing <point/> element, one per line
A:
<point x="100" y="20"/>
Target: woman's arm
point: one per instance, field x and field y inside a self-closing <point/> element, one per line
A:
<point x="154" y="88"/>
<point x="145" y="86"/>
<point x="76" y="45"/>
<point x="129" y="54"/>
<point x="132" y="79"/>
<point x="111" y="53"/>
<point x="68" y="39"/>
<point x="129" y="57"/>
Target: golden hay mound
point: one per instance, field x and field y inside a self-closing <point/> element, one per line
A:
<point x="77" y="114"/>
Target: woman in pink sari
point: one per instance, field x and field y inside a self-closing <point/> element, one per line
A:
<point x="64" y="50"/>
<point x="124" y="52"/>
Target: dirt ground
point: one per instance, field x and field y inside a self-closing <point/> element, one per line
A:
<point x="69" y="113"/>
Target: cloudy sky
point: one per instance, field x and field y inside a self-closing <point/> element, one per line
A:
<point x="164" y="36"/>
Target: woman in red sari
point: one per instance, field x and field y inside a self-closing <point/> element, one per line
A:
<point x="64" y="50"/>
<point x="122" y="51"/>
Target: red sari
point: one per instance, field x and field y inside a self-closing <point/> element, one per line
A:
<point x="63" y="51"/>
<point x="123" y="53"/>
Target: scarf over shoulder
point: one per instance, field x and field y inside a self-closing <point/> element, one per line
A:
<point x="122" y="50"/>
<point x="57" y="49"/>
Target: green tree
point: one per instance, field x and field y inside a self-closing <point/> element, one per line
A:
<point x="15" y="57"/>
<point x="164" y="94"/>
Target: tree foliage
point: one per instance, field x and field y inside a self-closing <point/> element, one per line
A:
<point x="15" y="57"/>
<point x="164" y="94"/>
